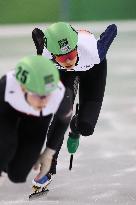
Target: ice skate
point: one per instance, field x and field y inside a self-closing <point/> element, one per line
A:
<point x="40" y="186"/>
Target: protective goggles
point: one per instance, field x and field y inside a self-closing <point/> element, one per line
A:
<point x="62" y="58"/>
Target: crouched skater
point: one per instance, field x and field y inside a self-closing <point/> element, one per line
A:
<point x="33" y="105"/>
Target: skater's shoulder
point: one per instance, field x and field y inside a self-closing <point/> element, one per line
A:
<point x="85" y="37"/>
<point x="84" y="32"/>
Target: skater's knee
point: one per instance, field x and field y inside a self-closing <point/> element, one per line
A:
<point x="85" y="129"/>
<point x="16" y="179"/>
<point x="81" y="127"/>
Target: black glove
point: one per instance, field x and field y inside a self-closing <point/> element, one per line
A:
<point x="38" y="38"/>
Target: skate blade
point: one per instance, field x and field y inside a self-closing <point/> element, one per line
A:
<point x="38" y="194"/>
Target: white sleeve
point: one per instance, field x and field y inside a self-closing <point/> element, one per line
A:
<point x="93" y="49"/>
<point x="46" y="53"/>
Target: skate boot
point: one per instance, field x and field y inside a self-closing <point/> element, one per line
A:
<point x="41" y="184"/>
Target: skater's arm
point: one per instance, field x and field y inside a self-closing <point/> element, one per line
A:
<point x="55" y="134"/>
<point x="60" y="122"/>
<point x="2" y="88"/>
<point x="106" y="39"/>
<point x="38" y="38"/>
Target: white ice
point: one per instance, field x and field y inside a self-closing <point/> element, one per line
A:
<point x="104" y="167"/>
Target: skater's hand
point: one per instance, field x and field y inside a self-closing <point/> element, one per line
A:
<point x="73" y="142"/>
<point x="44" y="162"/>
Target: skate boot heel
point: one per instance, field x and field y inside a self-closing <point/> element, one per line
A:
<point x="36" y="189"/>
<point x="40" y="186"/>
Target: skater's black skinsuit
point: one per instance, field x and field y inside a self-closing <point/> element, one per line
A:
<point x="22" y="136"/>
<point x="91" y="83"/>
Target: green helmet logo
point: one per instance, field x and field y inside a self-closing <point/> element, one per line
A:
<point x="38" y="74"/>
<point x="60" y="38"/>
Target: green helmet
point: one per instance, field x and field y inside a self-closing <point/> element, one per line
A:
<point x="60" y="38"/>
<point x="38" y="74"/>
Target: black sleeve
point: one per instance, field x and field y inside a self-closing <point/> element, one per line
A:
<point x="8" y="122"/>
<point x="2" y="88"/>
<point x="60" y="122"/>
<point x="106" y="39"/>
<point x="38" y="38"/>
<point x="5" y="108"/>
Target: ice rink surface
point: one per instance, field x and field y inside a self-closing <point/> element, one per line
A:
<point x="104" y="168"/>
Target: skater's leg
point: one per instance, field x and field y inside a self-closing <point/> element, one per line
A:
<point x="91" y="92"/>
<point x="59" y="125"/>
<point x="32" y="133"/>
